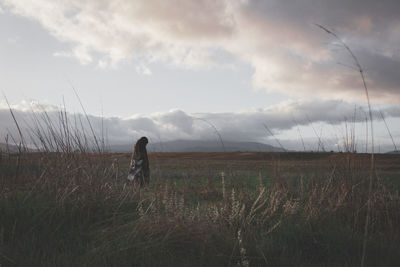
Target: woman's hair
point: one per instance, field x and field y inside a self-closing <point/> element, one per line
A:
<point x="140" y="147"/>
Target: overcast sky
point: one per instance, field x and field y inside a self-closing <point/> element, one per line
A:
<point x="154" y="67"/>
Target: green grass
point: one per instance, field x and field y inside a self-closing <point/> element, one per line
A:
<point x="66" y="209"/>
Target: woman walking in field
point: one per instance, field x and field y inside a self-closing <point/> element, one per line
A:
<point x="139" y="171"/>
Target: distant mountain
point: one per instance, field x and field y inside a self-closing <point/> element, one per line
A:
<point x="393" y="152"/>
<point x="201" y="146"/>
<point x="185" y="146"/>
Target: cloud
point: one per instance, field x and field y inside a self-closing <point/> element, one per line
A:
<point x="177" y="124"/>
<point x="276" y="37"/>
<point x="28" y="106"/>
<point x="142" y="69"/>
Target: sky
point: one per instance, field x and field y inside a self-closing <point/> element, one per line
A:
<point x="171" y="69"/>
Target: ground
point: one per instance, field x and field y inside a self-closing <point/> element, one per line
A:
<point x="217" y="209"/>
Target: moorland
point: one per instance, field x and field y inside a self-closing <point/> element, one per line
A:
<point x="217" y="209"/>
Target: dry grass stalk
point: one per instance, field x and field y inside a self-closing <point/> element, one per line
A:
<point x="387" y="128"/>
<point x="361" y="71"/>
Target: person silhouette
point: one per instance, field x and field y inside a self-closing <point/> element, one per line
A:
<point x="139" y="171"/>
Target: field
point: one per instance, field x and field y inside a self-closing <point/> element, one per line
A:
<point x="216" y="209"/>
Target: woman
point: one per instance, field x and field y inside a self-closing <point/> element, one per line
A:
<point x="139" y="171"/>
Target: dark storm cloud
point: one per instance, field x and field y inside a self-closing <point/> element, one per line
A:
<point x="333" y="12"/>
<point x="370" y="28"/>
<point x="383" y="71"/>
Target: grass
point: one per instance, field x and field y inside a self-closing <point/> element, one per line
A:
<point x="275" y="209"/>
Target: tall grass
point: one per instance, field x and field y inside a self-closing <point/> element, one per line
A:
<point x="360" y="69"/>
<point x="389" y="132"/>
<point x="69" y="205"/>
